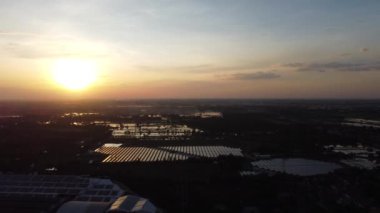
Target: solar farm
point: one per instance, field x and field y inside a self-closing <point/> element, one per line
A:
<point x="164" y="153"/>
<point x="152" y="131"/>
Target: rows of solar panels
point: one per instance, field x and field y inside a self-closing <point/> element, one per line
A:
<point x="158" y="131"/>
<point x="165" y="153"/>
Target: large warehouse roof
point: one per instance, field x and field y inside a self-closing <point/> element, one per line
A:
<point x="83" y="207"/>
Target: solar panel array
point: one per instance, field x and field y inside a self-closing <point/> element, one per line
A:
<point x="296" y="166"/>
<point x="249" y="173"/>
<point x="51" y="186"/>
<point x="154" y="131"/>
<point x="164" y="153"/>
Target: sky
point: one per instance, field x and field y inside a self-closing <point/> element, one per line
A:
<point x="193" y="49"/>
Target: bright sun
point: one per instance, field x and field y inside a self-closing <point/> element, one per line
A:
<point x="74" y="74"/>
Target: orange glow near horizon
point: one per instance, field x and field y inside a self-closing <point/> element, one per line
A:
<point x="74" y="74"/>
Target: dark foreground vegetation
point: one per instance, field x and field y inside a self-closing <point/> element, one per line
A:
<point x="46" y="137"/>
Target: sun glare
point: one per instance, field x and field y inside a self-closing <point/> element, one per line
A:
<point x="74" y="74"/>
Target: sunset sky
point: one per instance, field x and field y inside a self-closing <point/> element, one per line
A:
<point x="192" y="49"/>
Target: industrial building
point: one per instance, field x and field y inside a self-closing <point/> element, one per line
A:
<point x="65" y="193"/>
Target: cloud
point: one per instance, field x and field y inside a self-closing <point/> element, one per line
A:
<point x="197" y="68"/>
<point x="30" y="51"/>
<point x="253" y="76"/>
<point x="52" y="50"/>
<point x="364" y="50"/>
<point x="38" y="45"/>
<point x="293" y="65"/>
<point x="345" y="54"/>
<point x="19" y="34"/>
<point x="189" y="68"/>
<point x="342" y="67"/>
